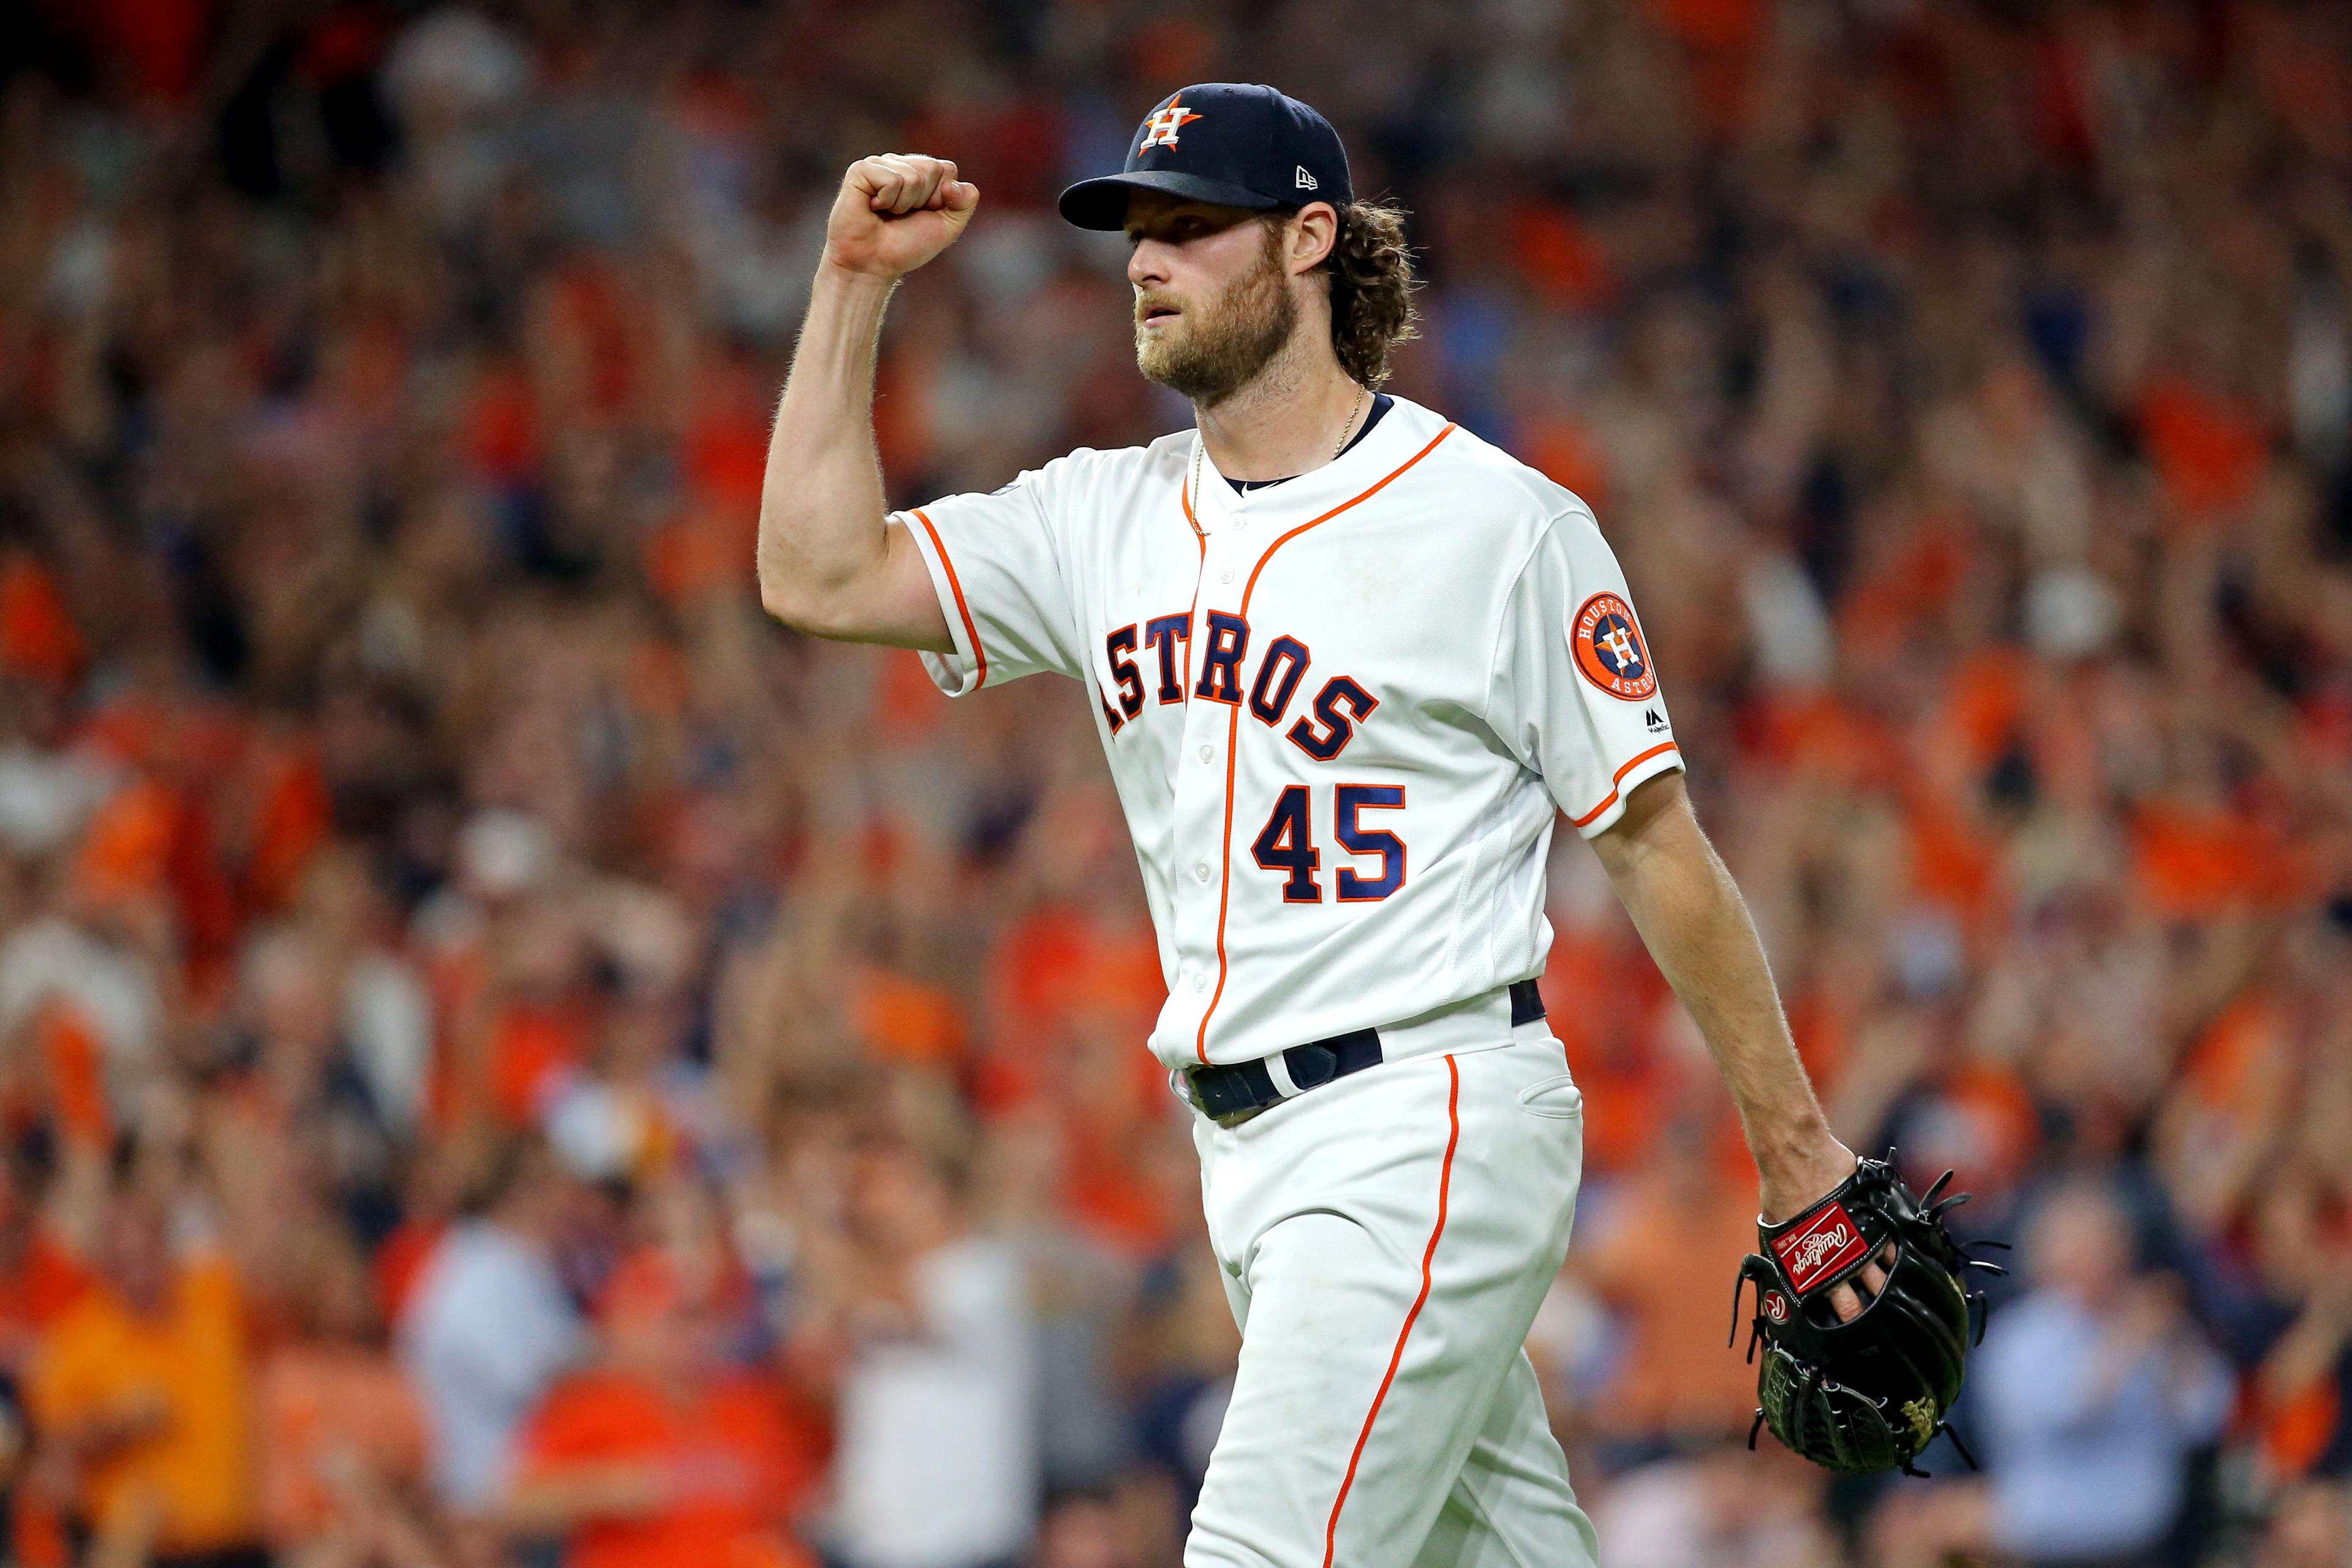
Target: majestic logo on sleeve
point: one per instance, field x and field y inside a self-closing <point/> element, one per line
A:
<point x="1160" y="130"/>
<point x="1609" y="648"/>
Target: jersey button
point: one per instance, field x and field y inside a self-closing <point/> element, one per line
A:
<point x="1201" y="869"/>
<point x="1207" y="753"/>
<point x="1226" y="575"/>
<point x="1200" y="981"/>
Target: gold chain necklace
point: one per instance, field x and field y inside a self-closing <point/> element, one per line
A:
<point x="1200" y="444"/>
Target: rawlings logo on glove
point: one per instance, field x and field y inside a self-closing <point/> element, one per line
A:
<point x="1828" y="1244"/>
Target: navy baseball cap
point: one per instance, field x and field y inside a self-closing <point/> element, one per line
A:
<point x="1235" y="143"/>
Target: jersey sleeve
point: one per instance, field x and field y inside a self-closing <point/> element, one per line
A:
<point x="1002" y="582"/>
<point x="1573" y="691"/>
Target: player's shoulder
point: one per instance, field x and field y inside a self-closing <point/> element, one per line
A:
<point x="1105" y="475"/>
<point x="1493" y="489"/>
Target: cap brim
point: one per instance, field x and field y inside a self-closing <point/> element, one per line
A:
<point x="1102" y="203"/>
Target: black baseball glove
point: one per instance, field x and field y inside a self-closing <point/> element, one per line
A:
<point x="1869" y="1393"/>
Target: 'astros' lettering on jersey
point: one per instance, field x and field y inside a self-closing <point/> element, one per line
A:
<point x="1338" y="710"/>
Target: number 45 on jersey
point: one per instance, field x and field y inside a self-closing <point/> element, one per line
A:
<point x="1287" y="843"/>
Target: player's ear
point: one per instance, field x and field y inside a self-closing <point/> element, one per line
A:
<point x="1314" y="233"/>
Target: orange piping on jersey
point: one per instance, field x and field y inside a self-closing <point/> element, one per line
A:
<point x="1234" y="723"/>
<point x="1200" y="542"/>
<point x="1611" y="798"/>
<point x="979" y="654"/>
<point x="1396" y="1356"/>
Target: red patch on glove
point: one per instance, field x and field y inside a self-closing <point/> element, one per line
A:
<point x="1817" y="1249"/>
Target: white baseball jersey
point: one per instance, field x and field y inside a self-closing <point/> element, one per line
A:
<point x="1338" y="710"/>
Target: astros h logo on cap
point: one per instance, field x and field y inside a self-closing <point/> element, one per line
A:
<point x="1236" y="145"/>
<point x="1160" y="130"/>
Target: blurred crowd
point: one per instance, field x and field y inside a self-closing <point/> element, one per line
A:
<point x="507" y="1057"/>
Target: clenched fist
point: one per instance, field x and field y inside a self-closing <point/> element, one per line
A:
<point x="895" y="211"/>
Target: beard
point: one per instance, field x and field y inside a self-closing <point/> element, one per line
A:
<point x="1214" y="350"/>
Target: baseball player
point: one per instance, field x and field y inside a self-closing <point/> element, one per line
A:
<point x="1347" y="662"/>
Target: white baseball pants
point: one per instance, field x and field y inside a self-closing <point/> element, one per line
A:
<point x="1385" y="1240"/>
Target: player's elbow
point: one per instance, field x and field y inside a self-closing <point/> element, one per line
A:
<point x="849" y="584"/>
<point x="847" y="607"/>
<point x="806" y="606"/>
<point x="782" y="592"/>
<point x="794" y="586"/>
<point x="780" y="595"/>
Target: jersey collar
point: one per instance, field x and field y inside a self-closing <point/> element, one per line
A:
<point x="1405" y="430"/>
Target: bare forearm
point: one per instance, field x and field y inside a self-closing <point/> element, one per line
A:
<point x="821" y="505"/>
<point x="1689" y="910"/>
<point x="1690" y="913"/>
<point x="829" y="563"/>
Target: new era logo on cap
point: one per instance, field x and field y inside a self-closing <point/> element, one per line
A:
<point x="1236" y="145"/>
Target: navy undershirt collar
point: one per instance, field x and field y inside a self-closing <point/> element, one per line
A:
<point x="1381" y="404"/>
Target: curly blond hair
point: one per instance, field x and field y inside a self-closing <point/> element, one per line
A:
<point x="1372" y="290"/>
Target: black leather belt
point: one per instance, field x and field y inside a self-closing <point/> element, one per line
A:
<point x="1231" y="1095"/>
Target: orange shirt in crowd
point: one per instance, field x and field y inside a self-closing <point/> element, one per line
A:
<point x="1677" y="1376"/>
<point x="2199" y="864"/>
<point x="1599" y="989"/>
<point x="730" y="1458"/>
<point x="37" y="636"/>
<point x="101" y="1358"/>
<point x="36" y="1288"/>
<point x="322" y="1405"/>
<point x="2208" y="451"/>
<point x="902" y="1019"/>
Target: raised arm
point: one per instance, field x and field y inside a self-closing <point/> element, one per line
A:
<point x="1696" y="924"/>
<point x="829" y="565"/>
